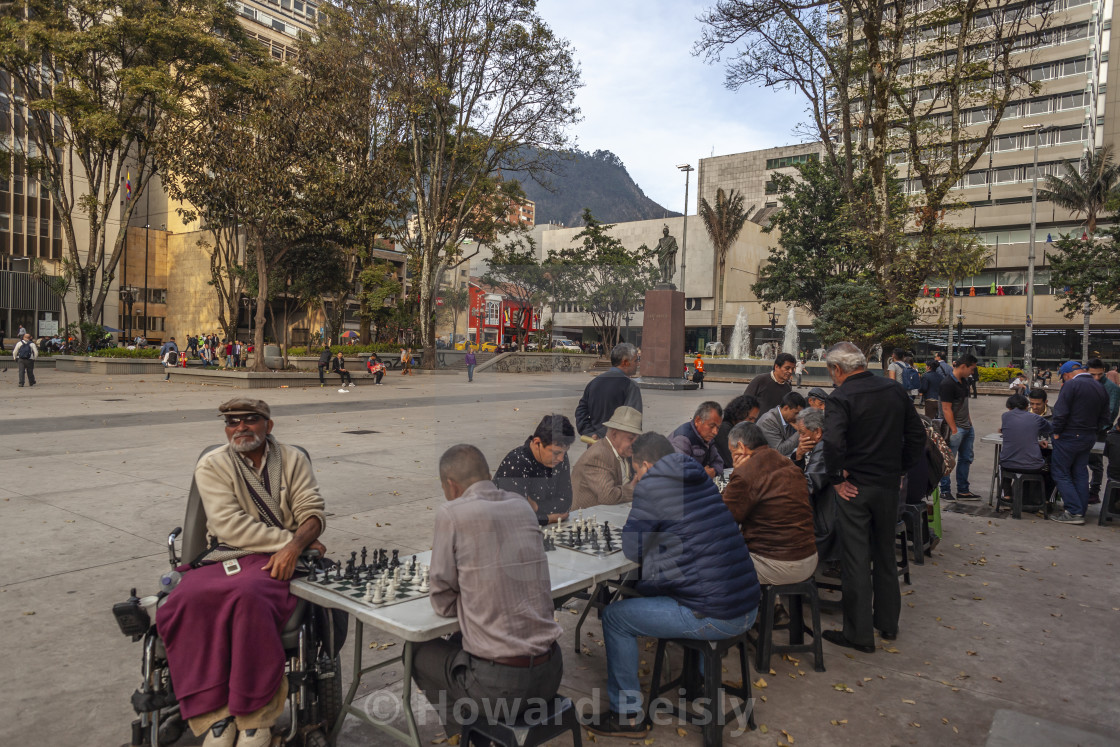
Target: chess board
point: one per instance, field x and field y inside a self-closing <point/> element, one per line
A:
<point x="356" y="590"/>
<point x="591" y="539"/>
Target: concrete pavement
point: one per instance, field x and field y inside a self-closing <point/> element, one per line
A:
<point x="1008" y="616"/>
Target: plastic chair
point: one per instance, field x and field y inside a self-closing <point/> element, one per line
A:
<point x="1019" y="481"/>
<point x="1111" y="493"/>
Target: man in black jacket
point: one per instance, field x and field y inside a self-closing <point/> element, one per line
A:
<point x="540" y="471"/>
<point x="609" y="391"/>
<point x="872" y="436"/>
<point x="324" y="363"/>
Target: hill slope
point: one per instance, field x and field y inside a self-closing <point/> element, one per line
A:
<point x="596" y="180"/>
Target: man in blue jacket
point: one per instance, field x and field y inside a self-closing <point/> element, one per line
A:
<point x="1080" y="412"/>
<point x="697" y="579"/>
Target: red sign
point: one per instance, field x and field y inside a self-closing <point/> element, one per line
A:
<point x="439" y="302"/>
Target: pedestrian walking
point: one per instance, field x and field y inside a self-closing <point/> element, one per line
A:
<point x="25" y="352"/>
<point x="169" y="356"/>
<point x="406" y="362"/>
<point x="799" y="371"/>
<point x="1080" y="412"/>
<point x="471" y="361"/>
<point x="872" y="436"/>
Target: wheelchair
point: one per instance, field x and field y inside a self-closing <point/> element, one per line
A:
<point x="312" y="639"/>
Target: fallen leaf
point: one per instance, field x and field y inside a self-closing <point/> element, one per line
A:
<point x="840" y="686"/>
<point x="788" y="736"/>
<point x="891" y="650"/>
<point x="971" y="653"/>
<point x="909" y="702"/>
<point x="440" y="740"/>
<point x="915" y="724"/>
<point x="647" y="741"/>
<point x="838" y="722"/>
<point x="453" y="739"/>
<point x="681" y="732"/>
<point x="763" y="728"/>
<point x="944" y="720"/>
<point x="761" y="683"/>
<point x="956" y="731"/>
<point x="997" y="679"/>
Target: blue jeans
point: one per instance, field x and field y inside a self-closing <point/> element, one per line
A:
<point x="470" y="372"/>
<point x="961" y="442"/>
<point x="656" y="617"/>
<point x="1070" y="468"/>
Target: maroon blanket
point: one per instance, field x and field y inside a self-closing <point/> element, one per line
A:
<point x="222" y="635"/>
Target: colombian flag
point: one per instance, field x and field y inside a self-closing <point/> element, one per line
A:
<point x="128" y="186"/>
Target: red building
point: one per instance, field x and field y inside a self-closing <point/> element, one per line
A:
<point x="496" y="316"/>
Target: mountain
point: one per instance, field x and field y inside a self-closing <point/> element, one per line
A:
<point x="596" y="180"/>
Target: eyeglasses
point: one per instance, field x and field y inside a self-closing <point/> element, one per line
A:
<point x="232" y="421"/>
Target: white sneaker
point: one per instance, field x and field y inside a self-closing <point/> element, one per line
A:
<point x="227" y="737"/>
<point x="255" y="738"/>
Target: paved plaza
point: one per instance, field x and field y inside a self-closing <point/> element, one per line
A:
<point x="1007" y="618"/>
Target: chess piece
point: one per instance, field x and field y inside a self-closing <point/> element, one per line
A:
<point x="378" y="595"/>
<point x="369" y="593"/>
<point x="396" y="561"/>
<point x="363" y="565"/>
<point x="424" y="580"/>
<point x="311" y="578"/>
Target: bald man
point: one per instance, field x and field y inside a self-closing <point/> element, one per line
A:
<point x="489" y="570"/>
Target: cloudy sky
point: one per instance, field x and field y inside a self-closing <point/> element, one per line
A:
<point x="647" y="99"/>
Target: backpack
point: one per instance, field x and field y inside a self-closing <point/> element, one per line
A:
<point x="940" y="455"/>
<point x="911" y="380"/>
<point x="25" y="352"/>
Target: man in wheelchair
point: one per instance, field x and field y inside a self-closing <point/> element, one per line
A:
<point x="222" y="623"/>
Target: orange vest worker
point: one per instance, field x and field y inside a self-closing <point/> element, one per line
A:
<point x="698" y="364"/>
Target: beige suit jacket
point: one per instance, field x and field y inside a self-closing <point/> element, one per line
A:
<point x="597" y="478"/>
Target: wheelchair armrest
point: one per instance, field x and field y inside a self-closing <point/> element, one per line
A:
<point x="172" y="556"/>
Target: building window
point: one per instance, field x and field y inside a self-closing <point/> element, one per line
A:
<point x="785" y="161"/>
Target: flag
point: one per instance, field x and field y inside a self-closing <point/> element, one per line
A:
<point x="128" y="186"/>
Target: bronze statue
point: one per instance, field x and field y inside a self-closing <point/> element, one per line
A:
<point x="667" y="256"/>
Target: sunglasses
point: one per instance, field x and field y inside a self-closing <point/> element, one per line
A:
<point x="232" y="421"/>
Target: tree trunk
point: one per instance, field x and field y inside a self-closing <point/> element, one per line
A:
<point x="262" y="301"/>
<point x="949" y="351"/>
<point x="1085" y="333"/>
<point x="719" y="301"/>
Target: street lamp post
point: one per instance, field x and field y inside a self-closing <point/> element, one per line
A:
<point x="1028" y="334"/>
<point x="687" y="169"/>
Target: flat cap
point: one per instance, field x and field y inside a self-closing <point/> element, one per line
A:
<point x="818" y="393"/>
<point x="245" y="406"/>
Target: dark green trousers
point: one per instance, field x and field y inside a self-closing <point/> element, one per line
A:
<point x="869" y="570"/>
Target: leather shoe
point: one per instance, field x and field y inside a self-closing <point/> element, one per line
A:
<point x="837" y="637"/>
<point x="888" y="636"/>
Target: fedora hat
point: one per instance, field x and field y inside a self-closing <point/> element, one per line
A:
<point x="626" y="419"/>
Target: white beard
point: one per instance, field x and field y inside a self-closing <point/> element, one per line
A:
<point x="244" y="446"/>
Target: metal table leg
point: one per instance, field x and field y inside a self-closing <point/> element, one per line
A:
<point x="996" y="477"/>
<point x="412" y="738"/>
<point x="587" y="608"/>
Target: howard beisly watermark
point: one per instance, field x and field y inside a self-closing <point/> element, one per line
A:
<point x="385" y="707"/>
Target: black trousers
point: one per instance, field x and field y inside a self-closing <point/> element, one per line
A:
<point x="869" y="570"/>
<point x="322" y="370"/>
<point x="454" y="680"/>
<point x="344" y="377"/>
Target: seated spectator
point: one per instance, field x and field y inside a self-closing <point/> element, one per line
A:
<point x="697" y="579"/>
<point x="817" y="398"/>
<point x="538" y="469"/>
<point x="743" y="408"/>
<point x="603" y="475"/>
<point x="769" y="499"/>
<point x="1022" y="431"/>
<point x="777" y="425"/>
<point x="823" y="501"/>
<point x="697" y="437"/>
<point x="338" y="366"/>
<point x="376" y="367"/>
<point x="1037" y="398"/>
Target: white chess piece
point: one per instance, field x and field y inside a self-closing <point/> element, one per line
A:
<point x="378" y="596"/>
<point x="424" y="581"/>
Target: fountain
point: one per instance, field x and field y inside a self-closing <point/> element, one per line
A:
<point x="740" y="337"/>
<point x="790" y="343"/>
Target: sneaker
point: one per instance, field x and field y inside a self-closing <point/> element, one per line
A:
<point x="1065" y="517"/>
<point x="221" y="734"/>
<point x="611" y="724"/>
<point x="255" y="738"/>
<point x="1094" y="499"/>
<point x="967" y="496"/>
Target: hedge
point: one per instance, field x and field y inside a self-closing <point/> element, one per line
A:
<point x="996" y="375"/>
<point x="378" y="347"/>
<point x="126" y="353"/>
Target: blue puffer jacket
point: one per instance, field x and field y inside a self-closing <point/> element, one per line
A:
<point x="689" y="546"/>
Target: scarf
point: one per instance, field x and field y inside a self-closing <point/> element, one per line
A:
<point x="264" y="493"/>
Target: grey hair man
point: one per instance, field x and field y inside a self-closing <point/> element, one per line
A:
<point x="697" y="438"/>
<point x="872" y="436"/>
<point x="607" y="392"/>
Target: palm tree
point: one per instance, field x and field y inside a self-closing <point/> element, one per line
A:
<point x="1084" y="190"/>
<point x="723" y="223"/>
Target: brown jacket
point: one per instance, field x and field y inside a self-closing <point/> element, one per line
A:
<point x="597" y="478"/>
<point x="769" y="499"/>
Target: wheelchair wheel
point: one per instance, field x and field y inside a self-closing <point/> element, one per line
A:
<point x="330" y="693"/>
<point x="316" y="739"/>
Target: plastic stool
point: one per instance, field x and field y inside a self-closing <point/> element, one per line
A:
<point x="914" y="514"/>
<point x="1112" y="488"/>
<point x="793" y="594"/>
<point x="712" y="685"/>
<point x="561" y="717"/>
<point x="1019" y="481"/>
<point x="901" y="533"/>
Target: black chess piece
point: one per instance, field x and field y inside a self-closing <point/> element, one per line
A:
<point x="311" y="578"/>
<point x="396" y="561"/>
<point x="363" y="565"/>
<point x="412" y="567"/>
<point x="579" y="540"/>
<point x="607" y="536"/>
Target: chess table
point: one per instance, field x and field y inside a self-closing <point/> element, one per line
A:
<point x="414" y="621"/>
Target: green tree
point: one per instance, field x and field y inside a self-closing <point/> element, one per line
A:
<point x="723" y="222"/>
<point x="102" y="81"/>
<point x="861" y="313"/>
<point x="817" y="244"/>
<point x="1088" y="274"/>
<point x="380" y="291"/>
<point x="516" y="271"/>
<point x="603" y="277"/>
<point x="1085" y="189"/>
<point x="486" y="86"/>
<point x="456" y="301"/>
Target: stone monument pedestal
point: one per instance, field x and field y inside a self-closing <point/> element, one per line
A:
<point x="663" y="341"/>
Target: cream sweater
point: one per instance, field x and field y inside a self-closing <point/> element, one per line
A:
<point x="231" y="515"/>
